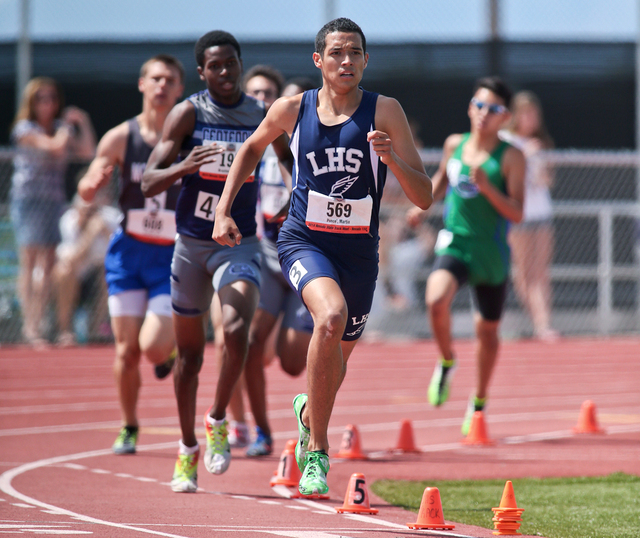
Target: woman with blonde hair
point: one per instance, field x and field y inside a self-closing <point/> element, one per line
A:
<point x="46" y="136"/>
<point x="532" y="240"/>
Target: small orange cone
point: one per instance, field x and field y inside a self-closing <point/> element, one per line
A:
<point x="587" y="422"/>
<point x="477" y="431"/>
<point x="350" y="446"/>
<point x="356" y="500"/>
<point x="507" y="518"/>
<point x="288" y="473"/>
<point x="508" y="499"/>
<point x="405" y="439"/>
<point x="430" y="515"/>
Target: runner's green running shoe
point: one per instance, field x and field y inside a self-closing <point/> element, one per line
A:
<point x="126" y="441"/>
<point x="217" y="455"/>
<point x="185" y="474"/>
<point x="474" y="404"/>
<point x="438" y="392"/>
<point x="314" y="477"/>
<point x="303" y="439"/>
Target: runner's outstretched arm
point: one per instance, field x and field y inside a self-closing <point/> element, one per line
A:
<point x="279" y="120"/>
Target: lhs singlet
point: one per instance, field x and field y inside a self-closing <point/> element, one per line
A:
<point x="151" y="220"/>
<point x="337" y="183"/>
<point x="228" y="126"/>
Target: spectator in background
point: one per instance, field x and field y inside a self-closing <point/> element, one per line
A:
<point x="297" y="85"/>
<point x="531" y="240"/>
<point x="47" y="135"/>
<point x="85" y="229"/>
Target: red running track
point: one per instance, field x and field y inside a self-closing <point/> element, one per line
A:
<point x="59" y="417"/>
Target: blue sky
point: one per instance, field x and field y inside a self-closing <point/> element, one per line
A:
<point x="381" y="20"/>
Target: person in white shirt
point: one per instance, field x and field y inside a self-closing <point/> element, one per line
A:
<point x="531" y="240"/>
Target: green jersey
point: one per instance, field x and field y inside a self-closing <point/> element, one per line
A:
<point x="475" y="232"/>
<point x="467" y="212"/>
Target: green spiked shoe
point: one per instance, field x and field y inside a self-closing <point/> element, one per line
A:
<point x="303" y="438"/>
<point x="438" y="392"/>
<point x="314" y="477"/>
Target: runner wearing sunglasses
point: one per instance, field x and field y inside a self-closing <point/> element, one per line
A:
<point x="482" y="181"/>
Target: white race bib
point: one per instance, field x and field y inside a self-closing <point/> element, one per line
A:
<point x="272" y="199"/>
<point x="338" y="215"/>
<point x="219" y="169"/>
<point x="153" y="224"/>
<point x="206" y="206"/>
<point x="444" y="239"/>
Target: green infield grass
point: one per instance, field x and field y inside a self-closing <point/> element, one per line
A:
<point x="587" y="507"/>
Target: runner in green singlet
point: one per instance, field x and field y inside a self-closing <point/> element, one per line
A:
<point x="483" y="180"/>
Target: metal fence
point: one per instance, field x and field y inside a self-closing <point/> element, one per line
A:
<point x="595" y="270"/>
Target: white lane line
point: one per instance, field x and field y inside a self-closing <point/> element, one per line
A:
<point x="271" y="502"/>
<point x="100" y="471"/>
<point x="55" y="531"/>
<point x="165" y="421"/>
<point x="21" y="505"/>
<point x="306" y="534"/>
<point x="8" y="476"/>
<point x="78" y="407"/>
<point x="320" y="508"/>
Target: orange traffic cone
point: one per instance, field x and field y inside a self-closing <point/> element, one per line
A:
<point x="477" y="431"/>
<point x="587" y="422"/>
<point x="350" y="446"/>
<point x="288" y="473"/>
<point x="405" y="439"/>
<point x="356" y="500"/>
<point x="430" y="515"/>
<point x="507" y="518"/>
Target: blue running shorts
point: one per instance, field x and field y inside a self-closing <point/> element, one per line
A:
<point x="133" y="265"/>
<point x="303" y="262"/>
<point x="199" y="267"/>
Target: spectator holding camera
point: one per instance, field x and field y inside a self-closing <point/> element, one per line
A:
<point x="46" y="135"/>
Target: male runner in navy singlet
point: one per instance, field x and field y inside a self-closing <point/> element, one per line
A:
<point x="138" y="262"/>
<point x="343" y="138"/>
<point x="207" y="130"/>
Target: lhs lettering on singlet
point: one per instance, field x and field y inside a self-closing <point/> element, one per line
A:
<point x="337" y="213"/>
<point x="153" y="224"/>
<point x="231" y="141"/>
<point x="337" y="160"/>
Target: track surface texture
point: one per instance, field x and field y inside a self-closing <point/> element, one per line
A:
<point x="59" y="416"/>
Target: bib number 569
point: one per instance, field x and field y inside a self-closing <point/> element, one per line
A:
<point x="338" y="209"/>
